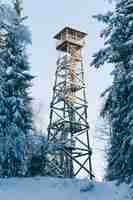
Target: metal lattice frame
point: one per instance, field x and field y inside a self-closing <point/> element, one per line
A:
<point x="68" y="136"/>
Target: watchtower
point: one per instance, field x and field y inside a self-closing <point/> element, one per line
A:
<point x="68" y="135"/>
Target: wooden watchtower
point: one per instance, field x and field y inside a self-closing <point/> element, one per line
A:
<point x="68" y="130"/>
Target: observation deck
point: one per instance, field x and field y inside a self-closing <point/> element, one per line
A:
<point x="69" y="37"/>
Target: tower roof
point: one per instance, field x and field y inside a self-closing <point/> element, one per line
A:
<point x="70" y="30"/>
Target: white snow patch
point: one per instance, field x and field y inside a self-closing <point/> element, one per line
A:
<point x="9" y="70"/>
<point x="131" y="142"/>
<point x="60" y="189"/>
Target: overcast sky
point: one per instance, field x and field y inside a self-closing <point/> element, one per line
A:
<point x="46" y="18"/>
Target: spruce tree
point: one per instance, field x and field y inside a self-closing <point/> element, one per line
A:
<point x="118" y="106"/>
<point x="37" y="160"/>
<point x="15" y="81"/>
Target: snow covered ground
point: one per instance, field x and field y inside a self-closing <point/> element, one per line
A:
<point x="60" y="189"/>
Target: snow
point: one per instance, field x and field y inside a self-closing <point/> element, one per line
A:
<point x="60" y="189"/>
<point x="9" y="71"/>
<point x="131" y="142"/>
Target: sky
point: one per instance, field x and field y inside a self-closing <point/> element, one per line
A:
<point x="46" y="18"/>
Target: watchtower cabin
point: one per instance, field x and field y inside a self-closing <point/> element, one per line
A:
<point x="69" y="37"/>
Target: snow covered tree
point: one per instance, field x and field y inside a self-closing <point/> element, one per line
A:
<point x="118" y="107"/>
<point x="15" y="81"/>
<point x="37" y="156"/>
